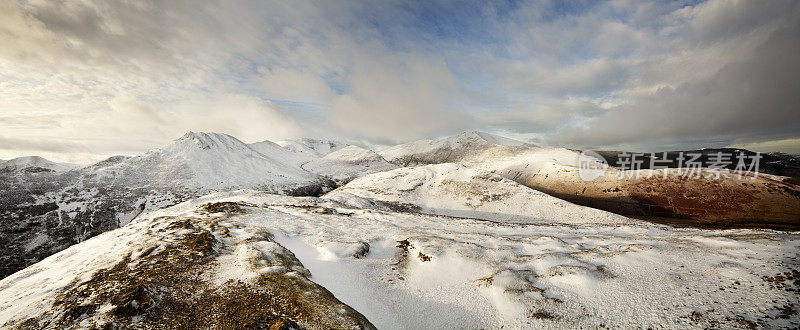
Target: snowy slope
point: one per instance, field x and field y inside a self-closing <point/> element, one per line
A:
<point x="44" y="213"/>
<point x="313" y="148"/>
<point x="455" y="190"/>
<point x="197" y="270"/>
<point x="403" y="270"/>
<point x="719" y="198"/>
<point x="289" y="156"/>
<point x="722" y="201"/>
<point x="34" y="163"/>
<point x="498" y="140"/>
<point x="110" y="161"/>
<point x="453" y="149"/>
<point x="212" y="161"/>
<point x="348" y="163"/>
<point x="712" y="197"/>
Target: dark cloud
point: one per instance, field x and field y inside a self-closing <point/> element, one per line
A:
<point x="756" y="99"/>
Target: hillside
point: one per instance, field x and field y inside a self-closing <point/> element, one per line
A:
<point x="46" y="212"/>
<point x="312" y="148"/>
<point x="348" y="163"/>
<point x="212" y="161"/>
<point x="458" y="148"/>
<point x="34" y="164"/>
<point x="177" y="272"/>
<point x="667" y="196"/>
<point x="722" y="201"/>
<point x="272" y="149"/>
<point x="455" y="190"/>
<point x="250" y="259"/>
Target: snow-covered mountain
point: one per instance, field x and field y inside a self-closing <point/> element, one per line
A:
<point x="286" y="155"/>
<point x="478" y="231"/>
<point x="34" y="164"/>
<point x="455" y="190"/>
<point x="722" y="201"/>
<point x="213" y="161"/>
<point x="44" y="213"/>
<point x="348" y="163"/>
<point x="457" y="148"/>
<point x="250" y="259"/>
<point x="313" y="148"/>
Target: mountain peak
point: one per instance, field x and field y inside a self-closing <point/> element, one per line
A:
<point x="29" y="159"/>
<point x="487" y="137"/>
<point x="212" y="140"/>
<point x="21" y="163"/>
<point x="216" y="161"/>
<point x="310" y="146"/>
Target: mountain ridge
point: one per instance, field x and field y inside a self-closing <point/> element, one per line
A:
<point x="34" y="164"/>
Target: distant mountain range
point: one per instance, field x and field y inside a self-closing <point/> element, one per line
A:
<point x="470" y="231"/>
<point x="33" y="164"/>
<point x="46" y="206"/>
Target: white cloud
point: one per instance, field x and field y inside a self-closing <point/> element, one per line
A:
<point x="300" y="86"/>
<point x="400" y="99"/>
<point x="594" y="76"/>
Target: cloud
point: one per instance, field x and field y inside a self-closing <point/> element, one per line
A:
<point x="790" y="146"/>
<point x="399" y="100"/>
<point x="11" y="143"/>
<point x="664" y="76"/>
<point x="122" y="77"/>
<point x="24" y="37"/>
<point x="595" y="76"/>
<point x="753" y="99"/>
<point x="246" y="117"/>
<point x="301" y="86"/>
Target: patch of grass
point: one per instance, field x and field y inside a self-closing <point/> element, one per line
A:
<point x="221" y="207"/>
<point x="202" y="242"/>
<point x="405" y="245"/>
<point x="793" y="180"/>
<point x="131" y="300"/>
<point x="235" y="305"/>
<point x="181" y="224"/>
<point x="543" y="315"/>
<point x="312" y="303"/>
<point x="424" y="257"/>
<point x="400" y="206"/>
<point x="315" y="209"/>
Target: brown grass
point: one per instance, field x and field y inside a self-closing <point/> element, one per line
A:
<point x="169" y="290"/>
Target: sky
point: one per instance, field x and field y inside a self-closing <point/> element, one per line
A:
<point x="83" y="80"/>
